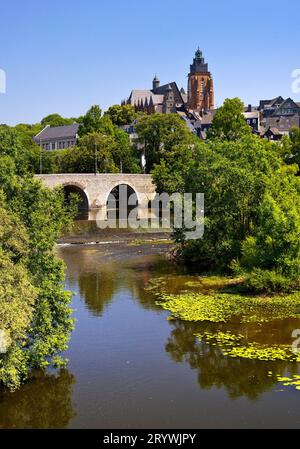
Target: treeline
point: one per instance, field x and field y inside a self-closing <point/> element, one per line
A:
<point x="252" y="199"/>
<point x="252" y="214"/>
<point x="35" y="318"/>
<point x="98" y="132"/>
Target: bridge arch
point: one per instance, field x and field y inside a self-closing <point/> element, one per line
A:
<point x="77" y="188"/>
<point x="114" y="190"/>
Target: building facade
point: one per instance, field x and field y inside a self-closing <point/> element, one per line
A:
<point x="57" y="137"/>
<point x="168" y="98"/>
<point x="200" y="85"/>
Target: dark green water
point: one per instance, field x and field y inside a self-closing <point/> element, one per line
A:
<point x="131" y="367"/>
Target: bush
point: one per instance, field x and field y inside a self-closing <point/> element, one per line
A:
<point x="268" y="281"/>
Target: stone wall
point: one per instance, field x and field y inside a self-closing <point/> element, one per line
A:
<point x="98" y="187"/>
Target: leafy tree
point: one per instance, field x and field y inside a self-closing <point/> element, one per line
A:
<point x="159" y="133"/>
<point x="57" y="120"/>
<point x="229" y="122"/>
<point x="82" y="158"/>
<point x="92" y="121"/>
<point x="121" y="115"/>
<point x="20" y="147"/>
<point x="34" y="310"/>
<point x="233" y="176"/>
<point x="125" y="155"/>
<point x="17" y="297"/>
<point x="291" y="147"/>
<point x="271" y="253"/>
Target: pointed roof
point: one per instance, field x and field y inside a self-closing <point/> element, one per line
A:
<point x="199" y="65"/>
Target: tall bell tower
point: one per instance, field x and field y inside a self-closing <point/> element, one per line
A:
<point x="200" y="85"/>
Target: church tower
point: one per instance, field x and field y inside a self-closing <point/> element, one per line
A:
<point x="200" y="85"/>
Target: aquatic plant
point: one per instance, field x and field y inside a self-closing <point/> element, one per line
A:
<point x="293" y="381"/>
<point x="236" y="345"/>
<point x="221" y="307"/>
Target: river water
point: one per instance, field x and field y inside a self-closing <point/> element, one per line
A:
<point x="131" y="367"/>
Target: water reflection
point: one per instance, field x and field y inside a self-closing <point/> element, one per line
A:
<point x="240" y="377"/>
<point x="135" y="368"/>
<point x="43" y="403"/>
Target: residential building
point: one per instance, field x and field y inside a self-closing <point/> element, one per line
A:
<point x="57" y="137"/>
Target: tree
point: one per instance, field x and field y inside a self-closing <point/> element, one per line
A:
<point x="291" y="147"/>
<point x="121" y="115"/>
<point x="159" y="133"/>
<point x="271" y="253"/>
<point x="34" y="312"/>
<point x="125" y="155"/>
<point x="82" y="158"/>
<point x="57" y="120"/>
<point x="232" y="175"/>
<point x="18" y="145"/>
<point x="91" y="121"/>
<point x="229" y="122"/>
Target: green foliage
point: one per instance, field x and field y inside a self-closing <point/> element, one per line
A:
<point x="291" y="147"/>
<point x="18" y="145"/>
<point x="114" y="153"/>
<point x="81" y="159"/>
<point x="34" y="312"/>
<point x="233" y="177"/>
<point x="271" y="254"/>
<point x="91" y="122"/>
<point x="57" y="120"/>
<point x="229" y="122"/>
<point x="252" y="208"/>
<point x="124" y="154"/>
<point x="160" y="133"/>
<point x="121" y="115"/>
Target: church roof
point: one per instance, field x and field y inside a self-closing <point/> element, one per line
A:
<point x="162" y="90"/>
<point x="141" y="95"/>
<point x="138" y="95"/>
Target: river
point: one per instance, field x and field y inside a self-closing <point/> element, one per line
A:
<point x="131" y="367"/>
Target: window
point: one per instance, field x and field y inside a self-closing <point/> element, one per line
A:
<point x="202" y="85"/>
<point x="53" y="145"/>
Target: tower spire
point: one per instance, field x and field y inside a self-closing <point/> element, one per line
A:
<point x="155" y="83"/>
<point x="200" y="85"/>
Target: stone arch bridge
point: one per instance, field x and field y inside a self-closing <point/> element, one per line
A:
<point x="95" y="188"/>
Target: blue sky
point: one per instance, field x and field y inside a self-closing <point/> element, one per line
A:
<point x="63" y="56"/>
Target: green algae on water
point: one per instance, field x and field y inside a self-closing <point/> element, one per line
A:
<point x="293" y="381"/>
<point x="221" y="307"/>
<point x="237" y="346"/>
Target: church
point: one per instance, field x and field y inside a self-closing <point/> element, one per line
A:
<point x="168" y="98"/>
